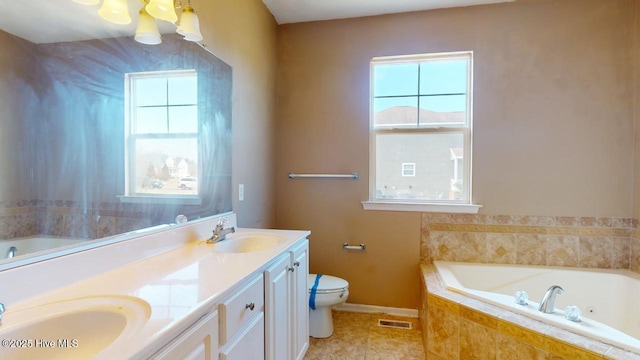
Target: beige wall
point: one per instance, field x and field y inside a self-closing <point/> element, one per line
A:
<point x="243" y="33"/>
<point x="553" y="117"/>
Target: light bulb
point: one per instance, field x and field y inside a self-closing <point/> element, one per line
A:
<point x="189" y="25"/>
<point x="115" y="11"/>
<point x="147" y="29"/>
<point x="163" y="10"/>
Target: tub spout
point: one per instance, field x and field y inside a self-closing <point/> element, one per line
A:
<point x="547" y="304"/>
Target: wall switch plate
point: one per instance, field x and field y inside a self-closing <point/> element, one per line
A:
<point x="241" y="192"/>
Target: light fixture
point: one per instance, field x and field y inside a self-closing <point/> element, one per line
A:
<point x="117" y="11"/>
<point x="163" y="10"/>
<point x="189" y="25"/>
<point x="147" y="29"/>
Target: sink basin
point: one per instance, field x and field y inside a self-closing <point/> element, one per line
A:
<point x="77" y="328"/>
<point x="248" y="242"/>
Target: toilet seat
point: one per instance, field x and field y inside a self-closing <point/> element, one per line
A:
<point x="328" y="284"/>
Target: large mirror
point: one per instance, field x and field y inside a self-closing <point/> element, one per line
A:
<point x="102" y="136"/>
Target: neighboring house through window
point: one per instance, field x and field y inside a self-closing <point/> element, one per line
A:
<point x="161" y="130"/>
<point x="408" y="169"/>
<point x="421" y="119"/>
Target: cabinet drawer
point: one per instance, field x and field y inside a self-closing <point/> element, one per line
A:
<point x="249" y="346"/>
<point x="240" y="308"/>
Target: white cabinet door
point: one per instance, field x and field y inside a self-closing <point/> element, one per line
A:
<point x="300" y="299"/>
<point x="199" y="342"/>
<point x="286" y="305"/>
<point x="249" y="346"/>
<point x="242" y="322"/>
<point x="277" y="311"/>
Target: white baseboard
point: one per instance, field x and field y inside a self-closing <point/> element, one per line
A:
<point x="372" y="309"/>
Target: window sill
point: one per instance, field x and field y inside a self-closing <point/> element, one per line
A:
<point x="421" y="207"/>
<point x="172" y="200"/>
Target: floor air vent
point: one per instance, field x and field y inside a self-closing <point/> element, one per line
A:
<point x="394" y="324"/>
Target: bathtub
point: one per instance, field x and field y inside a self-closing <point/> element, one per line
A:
<point x="33" y="244"/>
<point x="608" y="299"/>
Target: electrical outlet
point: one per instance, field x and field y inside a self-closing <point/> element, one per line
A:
<point x="241" y="192"/>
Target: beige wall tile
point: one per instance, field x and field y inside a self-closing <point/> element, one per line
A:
<point x="621" y="256"/>
<point x="521" y="333"/>
<point x="476" y="341"/>
<point x="433" y="356"/>
<point x="444" y="245"/>
<point x="509" y="348"/>
<point x="530" y="249"/>
<point x="568" y="351"/>
<point x="443" y="331"/>
<point x="562" y="250"/>
<point x="473" y="248"/>
<point x="588" y="242"/>
<point x="488" y="321"/>
<point x="634" y="263"/>
<point x="596" y="252"/>
<point x="501" y="248"/>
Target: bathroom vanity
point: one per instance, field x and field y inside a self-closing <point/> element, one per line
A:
<point x="164" y="295"/>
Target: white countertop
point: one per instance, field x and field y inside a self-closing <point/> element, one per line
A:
<point x="180" y="285"/>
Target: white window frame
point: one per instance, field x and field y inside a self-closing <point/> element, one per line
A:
<point x="455" y="206"/>
<point x="130" y="196"/>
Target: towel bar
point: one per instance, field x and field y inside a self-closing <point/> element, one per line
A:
<point x="338" y="176"/>
<point x="354" y="247"/>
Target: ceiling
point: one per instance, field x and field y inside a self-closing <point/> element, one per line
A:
<point x="47" y="21"/>
<point x="292" y="11"/>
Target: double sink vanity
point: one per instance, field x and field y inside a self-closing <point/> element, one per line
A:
<point x="165" y="294"/>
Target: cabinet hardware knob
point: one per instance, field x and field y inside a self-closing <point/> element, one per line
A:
<point x="297" y="263"/>
<point x="250" y="306"/>
<point x="292" y="269"/>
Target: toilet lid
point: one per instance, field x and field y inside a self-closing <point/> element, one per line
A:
<point x="327" y="283"/>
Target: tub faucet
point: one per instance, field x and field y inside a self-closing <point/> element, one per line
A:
<point x="11" y="252"/>
<point x="549" y="299"/>
<point x="220" y="233"/>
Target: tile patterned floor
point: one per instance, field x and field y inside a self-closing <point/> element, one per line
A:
<point x="357" y="336"/>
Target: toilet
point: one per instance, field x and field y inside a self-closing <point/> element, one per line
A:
<point x="330" y="291"/>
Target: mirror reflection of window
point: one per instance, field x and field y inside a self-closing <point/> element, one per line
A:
<point x="162" y="134"/>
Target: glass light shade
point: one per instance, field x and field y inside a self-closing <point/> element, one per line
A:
<point x="163" y="10"/>
<point x="147" y="30"/>
<point x="87" y="2"/>
<point x="115" y="11"/>
<point x="189" y="25"/>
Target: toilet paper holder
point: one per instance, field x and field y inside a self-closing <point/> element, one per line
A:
<point x="354" y="247"/>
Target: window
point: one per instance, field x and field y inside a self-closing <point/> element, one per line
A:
<point x="162" y="134"/>
<point x="421" y="119"/>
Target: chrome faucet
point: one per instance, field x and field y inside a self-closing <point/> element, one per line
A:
<point x="11" y="252"/>
<point x="549" y="299"/>
<point x="220" y="233"/>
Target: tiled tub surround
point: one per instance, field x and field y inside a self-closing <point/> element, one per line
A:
<point x="72" y="219"/>
<point x="457" y="327"/>
<point x="608" y="243"/>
